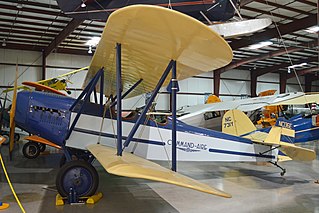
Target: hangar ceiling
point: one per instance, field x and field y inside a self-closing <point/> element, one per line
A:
<point x="40" y="25"/>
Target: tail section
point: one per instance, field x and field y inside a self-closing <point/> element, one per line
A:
<point x="283" y="131"/>
<point x="235" y="122"/>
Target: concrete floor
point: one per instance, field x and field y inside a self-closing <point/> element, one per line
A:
<point x="255" y="188"/>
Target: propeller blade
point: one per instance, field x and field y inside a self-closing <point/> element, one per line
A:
<point x="12" y="114"/>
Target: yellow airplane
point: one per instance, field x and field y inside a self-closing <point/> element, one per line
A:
<point x="57" y="83"/>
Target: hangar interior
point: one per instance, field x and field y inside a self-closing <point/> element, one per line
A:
<point x="44" y="43"/>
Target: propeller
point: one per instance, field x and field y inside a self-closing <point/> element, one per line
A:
<point x="12" y="114"/>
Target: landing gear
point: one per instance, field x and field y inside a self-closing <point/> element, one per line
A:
<point x="283" y="170"/>
<point x="31" y="150"/>
<point x="6" y="135"/>
<point x="42" y="147"/>
<point x="79" y="176"/>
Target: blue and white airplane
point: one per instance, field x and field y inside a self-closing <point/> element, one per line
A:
<point x="133" y="48"/>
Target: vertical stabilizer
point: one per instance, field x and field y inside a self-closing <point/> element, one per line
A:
<point x="235" y="122"/>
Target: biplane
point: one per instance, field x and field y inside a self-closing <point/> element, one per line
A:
<point x="142" y="48"/>
<point x="214" y="13"/>
<point x="210" y="115"/>
<point x="57" y="83"/>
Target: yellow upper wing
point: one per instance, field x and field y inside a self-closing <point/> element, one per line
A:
<point x="150" y="37"/>
<point x="130" y="165"/>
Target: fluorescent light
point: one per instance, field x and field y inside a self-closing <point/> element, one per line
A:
<point x="297" y="65"/>
<point x="313" y="29"/>
<point x="93" y="42"/>
<point x="260" y="45"/>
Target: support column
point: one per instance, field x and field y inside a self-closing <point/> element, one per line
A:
<point x="283" y="82"/>
<point x="119" y="99"/>
<point x="308" y="82"/>
<point x="43" y="66"/>
<point x="253" y="84"/>
<point x="174" y="101"/>
<point x="216" y="82"/>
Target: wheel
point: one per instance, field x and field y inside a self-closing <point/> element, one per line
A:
<point x="31" y="150"/>
<point x="16" y="137"/>
<point x="42" y="147"/>
<point x="6" y="136"/>
<point x="80" y="175"/>
<point x="283" y="172"/>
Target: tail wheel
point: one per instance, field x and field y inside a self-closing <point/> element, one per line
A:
<point x="31" y="150"/>
<point x="79" y="175"/>
<point x="42" y="147"/>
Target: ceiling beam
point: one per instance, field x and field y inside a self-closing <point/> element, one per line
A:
<point x="245" y="2"/>
<point x="73" y="24"/>
<point x="272" y="33"/>
<point x="29" y="47"/>
<point x="236" y="64"/>
<point x="266" y="2"/>
<point x="268" y="13"/>
<point x="32" y="10"/>
<point x="308" y="3"/>
<point x="275" y="68"/>
<point x="31" y="3"/>
<point x="302" y="72"/>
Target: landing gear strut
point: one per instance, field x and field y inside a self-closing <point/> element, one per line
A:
<point x="283" y="170"/>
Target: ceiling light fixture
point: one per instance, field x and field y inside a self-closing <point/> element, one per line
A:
<point x="260" y="45"/>
<point x="313" y="29"/>
<point x="83" y="4"/>
<point x="90" y="50"/>
<point x="4" y="43"/>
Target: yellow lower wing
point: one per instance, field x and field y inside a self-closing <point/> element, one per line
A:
<point x="130" y="165"/>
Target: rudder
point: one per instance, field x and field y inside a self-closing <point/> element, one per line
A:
<point x="235" y="122"/>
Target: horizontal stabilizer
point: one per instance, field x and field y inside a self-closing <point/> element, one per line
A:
<point x="273" y="139"/>
<point x="297" y="153"/>
<point x="130" y="165"/>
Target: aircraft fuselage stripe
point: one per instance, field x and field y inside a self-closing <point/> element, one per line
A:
<point x="112" y="136"/>
<point x="86" y="131"/>
<point x="241" y="153"/>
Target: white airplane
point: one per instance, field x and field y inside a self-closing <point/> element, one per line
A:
<point x="210" y="115"/>
<point x="138" y="42"/>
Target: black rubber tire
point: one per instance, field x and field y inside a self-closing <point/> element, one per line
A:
<point x="42" y="147"/>
<point x="7" y="139"/>
<point x="31" y="150"/>
<point x="78" y="170"/>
